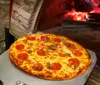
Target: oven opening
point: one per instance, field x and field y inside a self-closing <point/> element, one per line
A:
<point x="78" y="13"/>
<point x="54" y="12"/>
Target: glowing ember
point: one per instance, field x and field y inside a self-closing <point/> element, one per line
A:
<point x="95" y="10"/>
<point x="77" y="16"/>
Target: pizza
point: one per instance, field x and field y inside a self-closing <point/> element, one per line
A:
<point x="50" y="56"/>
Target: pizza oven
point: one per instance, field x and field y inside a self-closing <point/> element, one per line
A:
<point x="77" y="19"/>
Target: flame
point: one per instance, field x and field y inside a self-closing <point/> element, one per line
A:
<point x="95" y="10"/>
<point x="77" y="16"/>
<point x="82" y="16"/>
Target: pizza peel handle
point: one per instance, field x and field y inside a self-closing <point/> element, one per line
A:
<point x="10" y="75"/>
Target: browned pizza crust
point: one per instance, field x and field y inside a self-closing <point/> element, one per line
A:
<point x="50" y="56"/>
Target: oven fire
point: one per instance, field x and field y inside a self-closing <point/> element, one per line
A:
<point x="77" y="16"/>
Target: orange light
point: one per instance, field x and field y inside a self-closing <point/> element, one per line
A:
<point x="78" y="16"/>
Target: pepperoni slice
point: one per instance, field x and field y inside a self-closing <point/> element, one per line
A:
<point x="19" y="62"/>
<point x="22" y="56"/>
<point x="38" y="67"/>
<point x="74" y="61"/>
<point x="77" y="53"/>
<point x="45" y="38"/>
<point x="72" y="47"/>
<point x="55" y="66"/>
<point x="57" y="39"/>
<point x="74" y="50"/>
<point x="41" y="52"/>
<point x="31" y="38"/>
<point x="20" y="46"/>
